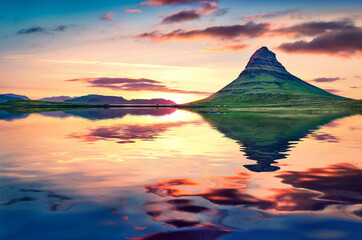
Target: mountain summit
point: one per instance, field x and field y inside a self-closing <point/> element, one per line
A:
<point x="263" y="59"/>
<point x="265" y="80"/>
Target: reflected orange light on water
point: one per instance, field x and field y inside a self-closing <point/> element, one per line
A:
<point x="94" y="156"/>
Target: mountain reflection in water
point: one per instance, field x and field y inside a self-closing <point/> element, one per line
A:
<point x="267" y="137"/>
<point x="179" y="175"/>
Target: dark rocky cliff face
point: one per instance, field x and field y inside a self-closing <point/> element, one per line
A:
<point x="263" y="59"/>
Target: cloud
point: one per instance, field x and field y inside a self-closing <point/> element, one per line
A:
<point x="207" y="8"/>
<point x="249" y="29"/>
<point x="331" y="90"/>
<point x="324" y="79"/>
<point x="317" y="28"/>
<point x="228" y="47"/>
<point x="288" y="13"/>
<point x="180" y="16"/>
<point x="355" y="87"/>
<point x="172" y="2"/>
<point x="133" y="11"/>
<point x="211" y="8"/>
<point x="108" y="16"/>
<point x="343" y="42"/>
<point x="37" y="29"/>
<point x="131" y="84"/>
<point x="34" y="29"/>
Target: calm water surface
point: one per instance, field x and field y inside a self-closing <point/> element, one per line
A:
<point x="145" y="174"/>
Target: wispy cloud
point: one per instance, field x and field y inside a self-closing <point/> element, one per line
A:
<point x="317" y="28"/>
<point x="331" y="90"/>
<point x="133" y="11"/>
<point x="180" y="16"/>
<point x="207" y="8"/>
<point x="172" y="2"/>
<point x="108" y="16"/>
<point x="228" y="47"/>
<point x="326" y="79"/>
<point x="287" y="13"/>
<point x="131" y="84"/>
<point x="38" y="29"/>
<point x="229" y="31"/>
<point x="339" y="38"/>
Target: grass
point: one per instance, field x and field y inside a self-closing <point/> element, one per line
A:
<point x="348" y="106"/>
<point x="43" y="104"/>
<point x="260" y="87"/>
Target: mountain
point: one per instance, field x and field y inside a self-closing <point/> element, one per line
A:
<point x="266" y="138"/>
<point x="100" y="99"/>
<point x="153" y="101"/>
<point x="10" y="96"/>
<point x="55" y="99"/>
<point x="265" y="80"/>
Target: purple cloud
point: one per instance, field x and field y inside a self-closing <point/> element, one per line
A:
<point x="172" y="2"/>
<point x="180" y="16"/>
<point x="131" y="84"/>
<point x="288" y="13"/>
<point x="207" y="8"/>
<point x="331" y="90"/>
<point x="316" y="28"/>
<point x="223" y="32"/>
<point x="325" y="79"/>
<point x="343" y="43"/>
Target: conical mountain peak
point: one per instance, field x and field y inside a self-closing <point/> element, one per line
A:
<point x="264" y="59"/>
<point x="266" y="81"/>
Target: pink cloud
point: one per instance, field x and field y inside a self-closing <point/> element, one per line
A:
<point x="207" y="9"/>
<point x="228" y="47"/>
<point x="108" y="16"/>
<point x="133" y="11"/>
<point x="170" y="2"/>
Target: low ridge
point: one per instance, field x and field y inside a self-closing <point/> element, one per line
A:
<point x="265" y="80"/>
<point x="100" y="99"/>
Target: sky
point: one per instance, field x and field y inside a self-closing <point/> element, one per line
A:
<point x="183" y="50"/>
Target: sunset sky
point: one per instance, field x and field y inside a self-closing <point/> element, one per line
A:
<point x="182" y="50"/>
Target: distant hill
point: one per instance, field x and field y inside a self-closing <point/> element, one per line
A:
<point x="9" y="96"/>
<point x="266" y="81"/>
<point x="100" y="99"/>
<point x="56" y="99"/>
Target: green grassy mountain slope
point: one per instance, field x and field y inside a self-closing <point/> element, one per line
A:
<point x="266" y="81"/>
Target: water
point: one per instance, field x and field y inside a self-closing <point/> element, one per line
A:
<point x="173" y="174"/>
